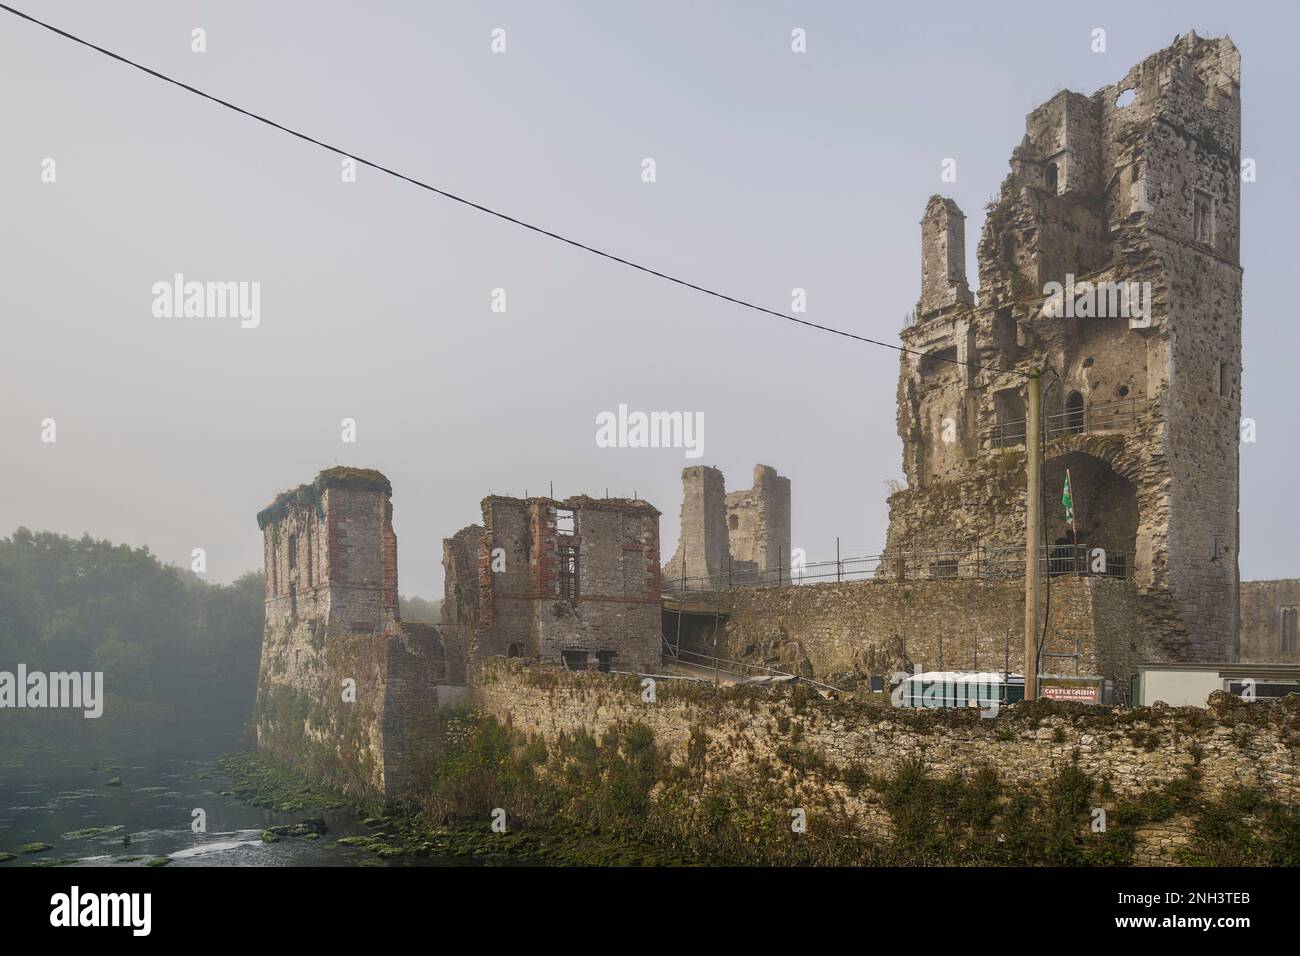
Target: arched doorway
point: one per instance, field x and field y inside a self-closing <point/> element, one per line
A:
<point x="1073" y="413"/>
<point x="1105" y="517"/>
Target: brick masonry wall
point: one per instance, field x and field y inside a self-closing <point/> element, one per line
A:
<point x="1135" y="751"/>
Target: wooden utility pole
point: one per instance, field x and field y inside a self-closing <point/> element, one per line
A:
<point x="1033" y="526"/>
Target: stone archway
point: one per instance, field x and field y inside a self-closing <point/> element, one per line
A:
<point x="1105" y="510"/>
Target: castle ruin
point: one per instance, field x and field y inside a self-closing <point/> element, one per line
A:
<point x="732" y="537"/>
<point x="1128" y="200"/>
<point x="572" y="582"/>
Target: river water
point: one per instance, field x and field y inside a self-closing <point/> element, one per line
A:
<point x="54" y="793"/>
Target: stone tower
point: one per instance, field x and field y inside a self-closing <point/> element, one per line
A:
<point x="1110" y="260"/>
<point x="740" y="537"/>
<point x="331" y="556"/>
<point x="702" y="548"/>
<point x="758" y="522"/>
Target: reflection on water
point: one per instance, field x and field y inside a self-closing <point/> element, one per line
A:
<point x="150" y="802"/>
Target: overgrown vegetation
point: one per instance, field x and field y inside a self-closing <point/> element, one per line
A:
<point x="179" y="656"/>
<point x="626" y="787"/>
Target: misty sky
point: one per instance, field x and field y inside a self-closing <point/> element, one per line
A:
<point x="774" y="170"/>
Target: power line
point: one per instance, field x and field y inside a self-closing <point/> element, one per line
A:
<point x="474" y="205"/>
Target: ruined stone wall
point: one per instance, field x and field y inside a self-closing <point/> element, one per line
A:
<point x="1233" y="744"/>
<point x="617" y="609"/>
<point x="758" y="522"/>
<point x="737" y="533"/>
<point x="613" y="616"/>
<point x="1099" y="194"/>
<point x="842" y="633"/>
<point x="344" y="690"/>
<point x="460" y="565"/>
<point x="1263" y="606"/>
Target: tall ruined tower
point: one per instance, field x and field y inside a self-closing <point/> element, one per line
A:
<point x="702" y="548"/>
<point x="1110" y="260"/>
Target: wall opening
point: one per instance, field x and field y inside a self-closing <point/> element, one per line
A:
<point x="939" y="361"/>
<point x="604" y="660"/>
<point x="1287" y="640"/>
<point x="1009" y="407"/>
<point x="1203" y="218"/>
<point x="567" y="573"/>
<point x="1073" y="413"/>
<point x="1004" y="337"/>
<point x="1105" y="516"/>
<point x="566" y="521"/>
<point x="574" y="660"/>
<point x="512" y="650"/>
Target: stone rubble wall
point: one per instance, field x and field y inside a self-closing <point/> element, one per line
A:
<point x="1233" y="744"/>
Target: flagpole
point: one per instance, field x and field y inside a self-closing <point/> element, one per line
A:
<point x="1074" y="530"/>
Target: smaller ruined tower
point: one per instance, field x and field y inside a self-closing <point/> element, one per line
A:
<point x="758" y="522"/>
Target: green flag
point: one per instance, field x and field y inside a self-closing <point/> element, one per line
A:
<point x="1068" y="500"/>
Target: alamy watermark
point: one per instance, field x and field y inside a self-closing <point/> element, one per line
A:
<point x="1098" y="300"/>
<point x="179" y="299"/>
<point x="37" y="689"/>
<point x="626" y="429"/>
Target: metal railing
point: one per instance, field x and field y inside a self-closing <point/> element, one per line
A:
<point x="738" y="669"/>
<point x="1106" y="417"/>
<point x="979" y="563"/>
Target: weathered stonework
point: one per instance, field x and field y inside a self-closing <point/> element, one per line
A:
<point x="843" y="633"/>
<point x="1144" y="412"/>
<point x="344" y="687"/>
<point x="583" y="592"/>
<point x="741" y="537"/>
<point x="1232" y="744"/>
<point x="1269" y="612"/>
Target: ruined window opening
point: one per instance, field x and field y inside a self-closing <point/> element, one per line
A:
<point x="293" y="551"/>
<point x="293" y="600"/>
<point x="1004" y="337"/>
<point x="939" y="360"/>
<point x="603" y="661"/>
<point x="574" y="660"/>
<point x="1203" y="218"/>
<point x="1053" y="177"/>
<point x="1009" y="406"/>
<point x="733" y="522"/>
<point x="1225" y="381"/>
<point x="512" y="650"/>
<point x="944" y="568"/>
<point x="568" y="572"/>
<point x="565" y="521"/>
<point x="1074" y="413"/>
<point x="1288" y="642"/>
